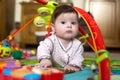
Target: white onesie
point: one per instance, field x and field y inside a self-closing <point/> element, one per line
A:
<point x="53" y="49"/>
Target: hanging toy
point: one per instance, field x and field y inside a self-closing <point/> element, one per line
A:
<point x="45" y="13"/>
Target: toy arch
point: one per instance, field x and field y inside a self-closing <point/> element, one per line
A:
<point x="97" y="44"/>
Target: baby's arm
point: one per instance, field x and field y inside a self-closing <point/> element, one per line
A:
<point x="44" y="63"/>
<point x="43" y="53"/>
<point x="76" y="62"/>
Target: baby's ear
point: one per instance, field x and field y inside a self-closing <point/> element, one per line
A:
<point x="53" y="27"/>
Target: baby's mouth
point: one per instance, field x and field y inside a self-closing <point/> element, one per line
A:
<point x="68" y="31"/>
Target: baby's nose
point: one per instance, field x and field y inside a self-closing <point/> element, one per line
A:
<point x="69" y="25"/>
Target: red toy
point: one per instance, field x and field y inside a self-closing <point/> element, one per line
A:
<point x="97" y="44"/>
<point x="42" y="1"/>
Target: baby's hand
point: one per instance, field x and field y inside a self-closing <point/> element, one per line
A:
<point x="44" y="63"/>
<point x="70" y="68"/>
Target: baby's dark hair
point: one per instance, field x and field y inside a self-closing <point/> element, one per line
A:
<point x="62" y="9"/>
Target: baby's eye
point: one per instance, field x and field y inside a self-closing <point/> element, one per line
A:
<point x="73" y="23"/>
<point x="63" y="22"/>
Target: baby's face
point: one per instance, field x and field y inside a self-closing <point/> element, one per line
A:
<point x="66" y="25"/>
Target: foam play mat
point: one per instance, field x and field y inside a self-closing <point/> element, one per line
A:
<point x="81" y="75"/>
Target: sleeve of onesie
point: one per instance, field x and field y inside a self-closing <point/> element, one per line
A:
<point x="77" y="59"/>
<point x="44" y="49"/>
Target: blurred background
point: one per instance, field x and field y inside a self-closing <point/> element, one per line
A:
<point x="15" y="13"/>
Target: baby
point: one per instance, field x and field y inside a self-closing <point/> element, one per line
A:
<point x="62" y="49"/>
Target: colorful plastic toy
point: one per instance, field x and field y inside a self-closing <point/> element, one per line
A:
<point x="17" y="54"/>
<point x="115" y="65"/>
<point x="49" y="74"/>
<point x="5" y="48"/>
<point x="5" y="52"/>
<point x="45" y="13"/>
<point x="29" y="53"/>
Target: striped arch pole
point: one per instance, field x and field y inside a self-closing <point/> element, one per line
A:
<point x="97" y="44"/>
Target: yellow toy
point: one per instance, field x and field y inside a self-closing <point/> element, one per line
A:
<point x="5" y="48"/>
